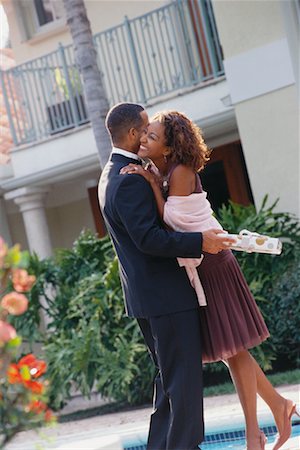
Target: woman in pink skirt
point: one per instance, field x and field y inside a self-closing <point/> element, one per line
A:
<point x="230" y="320"/>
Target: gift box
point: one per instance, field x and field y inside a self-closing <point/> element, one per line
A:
<point x="248" y="241"/>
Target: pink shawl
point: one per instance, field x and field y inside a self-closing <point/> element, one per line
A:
<point x="191" y="213"/>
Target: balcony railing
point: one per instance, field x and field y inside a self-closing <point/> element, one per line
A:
<point x="168" y="49"/>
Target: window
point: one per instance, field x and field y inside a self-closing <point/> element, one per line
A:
<point x="40" y="15"/>
<point x="48" y="10"/>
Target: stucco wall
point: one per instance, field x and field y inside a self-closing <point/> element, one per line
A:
<point x="253" y="35"/>
<point x="67" y="222"/>
<point x="269" y="128"/>
<point x="245" y="24"/>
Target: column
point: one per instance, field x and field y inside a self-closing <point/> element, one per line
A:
<point x="4" y="227"/>
<point x="31" y="203"/>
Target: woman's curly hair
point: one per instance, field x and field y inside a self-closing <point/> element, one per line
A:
<point x="184" y="138"/>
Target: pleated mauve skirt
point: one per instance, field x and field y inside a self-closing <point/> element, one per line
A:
<point x="231" y="321"/>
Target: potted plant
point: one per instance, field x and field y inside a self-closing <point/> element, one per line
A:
<point x="64" y="114"/>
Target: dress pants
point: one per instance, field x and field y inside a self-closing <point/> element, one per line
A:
<point x="175" y="345"/>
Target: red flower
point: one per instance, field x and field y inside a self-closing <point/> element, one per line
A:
<point x="25" y="371"/>
<point x="37" y="367"/>
<point x="34" y="386"/>
<point x="22" y="281"/>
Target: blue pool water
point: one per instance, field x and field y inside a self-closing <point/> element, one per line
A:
<point x="236" y="439"/>
<point x="225" y="440"/>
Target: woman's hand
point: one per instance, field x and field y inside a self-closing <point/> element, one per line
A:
<point x="154" y="181"/>
<point x="137" y="169"/>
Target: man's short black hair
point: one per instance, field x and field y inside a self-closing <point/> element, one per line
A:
<point x="121" y="117"/>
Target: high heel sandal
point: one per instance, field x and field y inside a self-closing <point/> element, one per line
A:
<point x="262" y="441"/>
<point x="287" y="428"/>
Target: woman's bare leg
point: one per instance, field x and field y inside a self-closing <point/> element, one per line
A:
<point x="243" y="373"/>
<point x="247" y="376"/>
<point x="278" y="404"/>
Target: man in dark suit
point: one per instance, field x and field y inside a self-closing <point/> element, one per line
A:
<point x="157" y="291"/>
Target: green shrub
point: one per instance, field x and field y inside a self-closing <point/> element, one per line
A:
<point x="98" y="346"/>
<point x="268" y="277"/>
<point x="91" y="344"/>
<point x="265" y="275"/>
<point x="283" y="312"/>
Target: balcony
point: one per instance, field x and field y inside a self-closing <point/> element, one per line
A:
<point x="165" y="51"/>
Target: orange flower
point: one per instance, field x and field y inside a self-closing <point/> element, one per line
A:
<point x="15" y="303"/>
<point x="13" y="374"/>
<point x="22" y="282"/>
<point x="36" y="406"/>
<point x="7" y="332"/>
<point x="25" y="371"/>
<point x="37" y="367"/>
<point x="34" y="386"/>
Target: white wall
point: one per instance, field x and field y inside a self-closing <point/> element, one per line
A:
<point x="66" y="222"/>
<point x="17" y="230"/>
<point x="247" y="24"/>
<point x="269" y="128"/>
<point x="261" y="81"/>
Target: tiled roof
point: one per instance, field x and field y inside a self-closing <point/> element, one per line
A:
<point x="6" y="142"/>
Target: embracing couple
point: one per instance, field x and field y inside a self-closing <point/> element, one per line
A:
<point x="180" y="279"/>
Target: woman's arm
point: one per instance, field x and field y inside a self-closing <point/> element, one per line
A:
<point x="182" y="182"/>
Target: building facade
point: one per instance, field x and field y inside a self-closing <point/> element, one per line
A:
<point x="230" y="66"/>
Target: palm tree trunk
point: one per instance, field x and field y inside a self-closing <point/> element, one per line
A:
<point x="86" y="59"/>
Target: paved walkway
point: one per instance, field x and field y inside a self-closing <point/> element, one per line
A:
<point x="221" y="412"/>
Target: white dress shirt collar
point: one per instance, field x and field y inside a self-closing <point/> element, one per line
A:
<point x="120" y="151"/>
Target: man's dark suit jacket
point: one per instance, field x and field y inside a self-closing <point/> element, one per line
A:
<point x="152" y="281"/>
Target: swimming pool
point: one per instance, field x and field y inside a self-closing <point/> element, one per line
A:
<point x="224" y="440"/>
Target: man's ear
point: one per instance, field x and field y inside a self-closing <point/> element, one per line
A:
<point x="132" y="133"/>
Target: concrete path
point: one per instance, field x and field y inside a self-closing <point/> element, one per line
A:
<point x="221" y="412"/>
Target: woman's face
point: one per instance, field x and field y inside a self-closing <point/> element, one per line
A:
<point x="153" y="143"/>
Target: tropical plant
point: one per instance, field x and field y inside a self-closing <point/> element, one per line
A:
<point x="23" y="398"/>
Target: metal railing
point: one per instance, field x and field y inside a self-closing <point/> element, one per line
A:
<point x="168" y="49"/>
